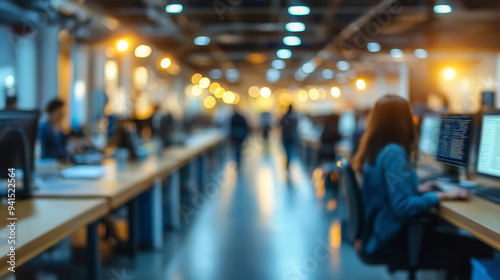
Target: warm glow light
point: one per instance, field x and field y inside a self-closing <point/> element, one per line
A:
<point x="209" y="102"/>
<point x="253" y="91"/>
<point x="314" y="94"/>
<point x="228" y="97"/>
<point x="335" y="92"/>
<point x="219" y="92"/>
<point x="196" y="90"/>
<point x="265" y="92"/>
<point x="143" y="51"/>
<point x="165" y="63"/>
<point x="110" y="70"/>
<point x="213" y="87"/>
<point x="204" y="82"/>
<point x="302" y="95"/>
<point x="122" y="45"/>
<point x="196" y="78"/>
<point x="449" y="73"/>
<point x="236" y="98"/>
<point x="360" y="84"/>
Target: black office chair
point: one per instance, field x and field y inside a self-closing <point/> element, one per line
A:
<point x="357" y="227"/>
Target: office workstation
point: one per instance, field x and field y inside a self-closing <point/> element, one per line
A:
<point x="249" y="140"/>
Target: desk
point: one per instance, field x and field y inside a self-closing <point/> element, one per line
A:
<point x="478" y="216"/>
<point x="41" y="223"/>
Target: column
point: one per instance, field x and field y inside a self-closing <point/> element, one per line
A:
<point x="404" y="80"/>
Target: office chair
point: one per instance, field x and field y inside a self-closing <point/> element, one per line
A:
<point x="357" y="227"/>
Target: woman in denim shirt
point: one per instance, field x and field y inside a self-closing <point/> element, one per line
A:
<point x="392" y="194"/>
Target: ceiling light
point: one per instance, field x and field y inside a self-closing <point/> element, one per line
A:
<point x="335" y="91"/>
<point x="314" y="94"/>
<point x="298" y="10"/>
<point x="196" y="90"/>
<point x="213" y="87"/>
<point x="165" y="63"/>
<point x="215" y="74"/>
<point x="300" y="75"/>
<point x="202" y="40"/>
<point x="265" y="92"/>
<point x="195" y="79"/>
<point x="254" y="91"/>
<point x="397" y="53"/>
<point x="327" y="74"/>
<point x="420" y="53"/>
<point x="442" y="9"/>
<point x="343" y="65"/>
<point x="449" y="73"/>
<point x="272" y="75"/>
<point x="373" y="47"/>
<point x="278" y="64"/>
<point x="295" y="27"/>
<point x="309" y="67"/>
<point x="143" y="51"/>
<point x="10" y="81"/>
<point x="228" y="97"/>
<point x="174" y="8"/>
<point x="232" y="75"/>
<point x="122" y="45"/>
<point x="291" y="41"/>
<point x="360" y="84"/>
<point x="302" y="95"/>
<point x="209" y="102"/>
<point x="284" y="53"/>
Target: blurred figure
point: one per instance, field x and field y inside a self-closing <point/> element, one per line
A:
<point x="289" y="133"/>
<point x="329" y="138"/>
<point x="266" y="121"/>
<point x="361" y="119"/>
<point x="392" y="194"/>
<point x="11" y="103"/>
<point x="239" y="131"/>
<point x="52" y="139"/>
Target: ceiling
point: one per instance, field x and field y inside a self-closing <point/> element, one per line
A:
<point x="245" y="34"/>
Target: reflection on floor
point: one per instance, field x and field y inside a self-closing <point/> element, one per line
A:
<point x="261" y="224"/>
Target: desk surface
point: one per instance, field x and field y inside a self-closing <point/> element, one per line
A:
<point x="119" y="187"/>
<point x="41" y="223"/>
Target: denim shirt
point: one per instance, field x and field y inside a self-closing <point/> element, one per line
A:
<point x="390" y="195"/>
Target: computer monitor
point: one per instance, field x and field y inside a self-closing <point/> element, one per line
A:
<point x="18" y="131"/>
<point x="453" y="144"/>
<point x="488" y="160"/>
<point x="429" y="134"/>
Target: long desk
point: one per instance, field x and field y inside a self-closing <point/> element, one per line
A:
<point x="41" y="223"/>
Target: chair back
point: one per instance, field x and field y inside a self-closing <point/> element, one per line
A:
<point x="353" y="201"/>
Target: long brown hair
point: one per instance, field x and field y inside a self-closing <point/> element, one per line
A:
<point x="390" y="121"/>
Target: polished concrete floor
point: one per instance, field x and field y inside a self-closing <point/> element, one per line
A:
<point x="258" y="222"/>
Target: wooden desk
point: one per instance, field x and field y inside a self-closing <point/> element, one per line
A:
<point x="41" y="223"/>
<point x="478" y="216"/>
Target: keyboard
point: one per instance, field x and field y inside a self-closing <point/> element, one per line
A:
<point x="492" y="194"/>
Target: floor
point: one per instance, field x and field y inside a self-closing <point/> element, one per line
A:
<point x="258" y="222"/>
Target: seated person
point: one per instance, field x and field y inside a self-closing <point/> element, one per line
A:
<point x="392" y="195"/>
<point x="329" y="138"/>
<point x="52" y="139"/>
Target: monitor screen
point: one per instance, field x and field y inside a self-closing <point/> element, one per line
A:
<point x="453" y="144"/>
<point x="488" y="161"/>
<point x="429" y="134"/>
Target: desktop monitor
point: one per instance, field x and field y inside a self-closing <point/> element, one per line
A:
<point x="429" y="134"/>
<point x="454" y="136"/>
<point x="18" y="131"/>
<point x="488" y="161"/>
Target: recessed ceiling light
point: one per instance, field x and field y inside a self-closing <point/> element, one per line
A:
<point x="309" y="67"/>
<point x="373" y="47"/>
<point x="232" y="75"/>
<point x="343" y="65"/>
<point x="420" y="53"/>
<point x="291" y="41"/>
<point x="174" y="8"/>
<point x="295" y="27"/>
<point x="442" y="9"/>
<point x="284" y="53"/>
<point x="327" y="74"/>
<point x="201" y="40"/>
<point x="272" y="75"/>
<point x="278" y="64"/>
<point x="298" y="10"/>
<point x="397" y="53"/>
<point x="215" y="74"/>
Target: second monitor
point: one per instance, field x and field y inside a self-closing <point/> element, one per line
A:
<point x="454" y="138"/>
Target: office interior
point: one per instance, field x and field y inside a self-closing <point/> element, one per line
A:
<point x="249" y="139"/>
